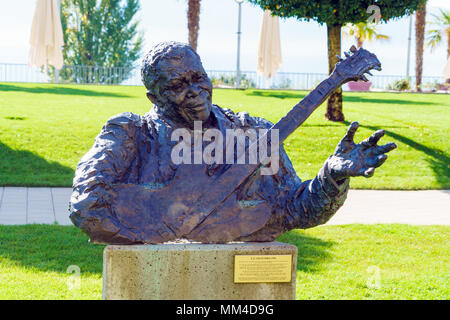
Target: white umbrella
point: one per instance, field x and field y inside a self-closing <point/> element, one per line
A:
<point x="269" y="52"/>
<point x="446" y="71"/>
<point x="46" y="37"/>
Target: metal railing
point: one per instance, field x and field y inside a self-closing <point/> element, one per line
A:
<point x="308" y="81"/>
<point x="10" y="72"/>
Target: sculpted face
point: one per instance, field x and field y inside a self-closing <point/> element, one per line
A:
<point x="184" y="87"/>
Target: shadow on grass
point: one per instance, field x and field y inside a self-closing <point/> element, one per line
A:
<point x="360" y="99"/>
<point x="312" y="252"/>
<point x="50" y="248"/>
<point x="346" y="98"/>
<point x="60" y="90"/>
<point x="24" y="168"/>
<point x="439" y="161"/>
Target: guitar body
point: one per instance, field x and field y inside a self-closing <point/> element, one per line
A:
<point x="160" y="213"/>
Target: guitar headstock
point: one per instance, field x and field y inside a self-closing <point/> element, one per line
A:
<point x="356" y="64"/>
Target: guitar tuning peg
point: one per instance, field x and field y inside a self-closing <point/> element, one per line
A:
<point x="347" y="54"/>
<point x="339" y="58"/>
<point x="353" y="49"/>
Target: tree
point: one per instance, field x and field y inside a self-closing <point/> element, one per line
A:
<point x="420" y="35"/>
<point x="441" y="25"/>
<point x="363" y="31"/>
<point x="193" y="16"/>
<point x="100" y="33"/>
<point x="335" y="14"/>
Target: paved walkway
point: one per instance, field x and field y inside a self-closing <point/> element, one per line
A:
<point x="20" y="205"/>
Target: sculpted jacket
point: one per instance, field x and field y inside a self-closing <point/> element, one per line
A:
<point x="122" y="183"/>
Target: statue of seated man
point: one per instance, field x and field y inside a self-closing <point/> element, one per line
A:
<point x="128" y="190"/>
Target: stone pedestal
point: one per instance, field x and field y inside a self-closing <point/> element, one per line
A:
<point x="191" y="271"/>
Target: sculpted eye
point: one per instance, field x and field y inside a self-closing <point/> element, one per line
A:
<point x="176" y="85"/>
<point x="199" y="77"/>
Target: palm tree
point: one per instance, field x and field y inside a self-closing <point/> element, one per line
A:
<point x="420" y="35"/>
<point x="193" y="16"/>
<point x="441" y="24"/>
<point x="363" y="31"/>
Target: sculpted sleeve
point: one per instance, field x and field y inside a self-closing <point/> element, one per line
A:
<point x="108" y="162"/>
<point x="317" y="200"/>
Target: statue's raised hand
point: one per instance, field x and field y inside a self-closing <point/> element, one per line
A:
<point x="351" y="160"/>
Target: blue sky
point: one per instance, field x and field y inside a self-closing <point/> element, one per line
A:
<point x="303" y="44"/>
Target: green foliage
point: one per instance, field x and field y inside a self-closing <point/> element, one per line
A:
<point x="337" y="12"/>
<point x="400" y="85"/>
<point x="100" y="33"/>
<point x="363" y="31"/>
<point x="440" y="25"/>
<point x="225" y="81"/>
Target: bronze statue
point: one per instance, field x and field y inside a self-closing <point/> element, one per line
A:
<point x="128" y="189"/>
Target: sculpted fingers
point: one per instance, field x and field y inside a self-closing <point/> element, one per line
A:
<point x="373" y="139"/>
<point x="369" y="169"/>
<point x="377" y="161"/>
<point x="368" y="172"/>
<point x="346" y="144"/>
<point x="385" y="148"/>
<point x="351" y="132"/>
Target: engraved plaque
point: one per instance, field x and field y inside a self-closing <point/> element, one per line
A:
<point x="262" y="268"/>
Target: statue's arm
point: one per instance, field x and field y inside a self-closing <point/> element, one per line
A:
<point x="106" y="163"/>
<point x="316" y="201"/>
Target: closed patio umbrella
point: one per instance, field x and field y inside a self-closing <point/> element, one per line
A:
<point x="46" y="37"/>
<point x="269" y="52"/>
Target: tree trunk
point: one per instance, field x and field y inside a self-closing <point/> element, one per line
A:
<point x="193" y="16"/>
<point x="448" y="50"/>
<point x="334" y="104"/>
<point x="359" y="42"/>
<point x="420" y="33"/>
<point x="448" y="43"/>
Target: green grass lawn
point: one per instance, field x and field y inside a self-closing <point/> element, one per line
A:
<point x="45" y="129"/>
<point x="335" y="262"/>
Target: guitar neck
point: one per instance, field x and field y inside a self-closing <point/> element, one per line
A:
<point x="233" y="177"/>
<point x="301" y="111"/>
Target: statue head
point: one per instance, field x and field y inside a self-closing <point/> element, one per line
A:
<point x="176" y="82"/>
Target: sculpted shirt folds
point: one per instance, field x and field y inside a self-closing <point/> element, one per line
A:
<point x="134" y="150"/>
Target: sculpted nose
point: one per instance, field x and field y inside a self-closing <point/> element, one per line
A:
<point x="193" y="91"/>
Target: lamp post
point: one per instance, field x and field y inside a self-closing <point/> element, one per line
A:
<point x="408" y="58"/>
<point x="238" y="67"/>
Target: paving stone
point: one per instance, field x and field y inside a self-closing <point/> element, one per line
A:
<point x="13" y="208"/>
<point x="61" y="197"/>
<point x="429" y="207"/>
<point x="40" y="206"/>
